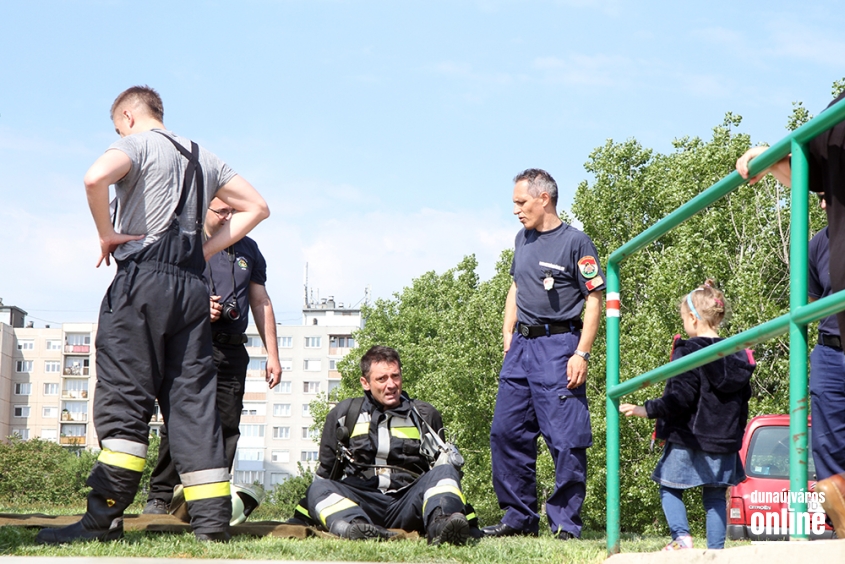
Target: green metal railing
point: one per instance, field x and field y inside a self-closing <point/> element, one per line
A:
<point x="795" y="322"/>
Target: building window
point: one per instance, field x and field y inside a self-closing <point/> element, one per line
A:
<point x="51" y="389"/>
<point x="49" y="435"/>
<point x="23" y="388"/>
<point x="285" y="342"/>
<point x="281" y="432"/>
<point x="283" y="387"/>
<point x="256" y="385"/>
<point x="251" y="454"/>
<point x="280" y="456"/>
<point x="310" y="387"/>
<point x="281" y="410"/>
<point x="257" y="364"/>
<point x="73" y="430"/>
<point x="333" y="385"/>
<point x="254" y="341"/>
<point x="249" y="410"/>
<point x="22" y="433"/>
<point x="313" y="342"/>
<point x="312" y="365"/>
<point x="50" y="412"/>
<point x="252" y="430"/>
<point x="77" y="365"/>
<point x="277" y="478"/>
<point x="52" y="366"/>
<point x="309" y="433"/>
<point x="306" y="410"/>
<point x="21" y="411"/>
<point x="249" y="476"/>
<point x="54" y="345"/>
<point x="332" y="364"/>
<point x="27" y="345"/>
<point x="341" y="341"/>
<point x="287" y="364"/>
<point x="309" y="456"/>
<point x="78" y="339"/>
<point x="23" y="366"/>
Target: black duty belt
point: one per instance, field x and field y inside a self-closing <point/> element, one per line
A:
<point x="831" y="341"/>
<point x="229" y="338"/>
<point x="531" y="331"/>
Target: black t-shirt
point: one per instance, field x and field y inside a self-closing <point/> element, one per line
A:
<point x="818" y="281"/>
<point x="246" y="264"/>
<point x="563" y="254"/>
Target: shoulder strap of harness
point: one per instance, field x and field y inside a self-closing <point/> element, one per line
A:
<point x="352" y="413"/>
<point x="191" y="171"/>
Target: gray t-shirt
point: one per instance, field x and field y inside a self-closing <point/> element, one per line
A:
<point x="149" y="193"/>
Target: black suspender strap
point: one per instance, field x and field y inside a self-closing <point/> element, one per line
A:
<point x="194" y="169"/>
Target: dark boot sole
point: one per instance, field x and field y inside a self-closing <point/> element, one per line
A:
<point x="455" y="531"/>
<point x="367" y="531"/>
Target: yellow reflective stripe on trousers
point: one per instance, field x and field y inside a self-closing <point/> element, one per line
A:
<point x="332" y="505"/>
<point x="302" y="510"/>
<point x="405" y="432"/>
<point x="206" y="491"/>
<point x="442" y="487"/>
<point x="122" y="460"/>
<point x="470" y="516"/>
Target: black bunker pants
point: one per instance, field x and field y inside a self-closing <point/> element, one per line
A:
<point x="154" y="341"/>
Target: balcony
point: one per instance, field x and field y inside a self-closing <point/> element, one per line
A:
<point x="72" y="441"/>
<point x="74" y="394"/>
<point x="77" y="349"/>
<point x="76" y="371"/>
<point x="72" y="416"/>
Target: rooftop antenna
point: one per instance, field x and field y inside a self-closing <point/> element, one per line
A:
<point x="306" y="284"/>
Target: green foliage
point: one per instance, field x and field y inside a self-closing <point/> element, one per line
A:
<point x="282" y="499"/>
<point x="38" y="472"/>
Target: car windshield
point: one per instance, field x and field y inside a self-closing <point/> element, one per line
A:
<point x="768" y="453"/>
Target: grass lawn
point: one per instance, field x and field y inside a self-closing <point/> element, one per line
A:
<point x="20" y="541"/>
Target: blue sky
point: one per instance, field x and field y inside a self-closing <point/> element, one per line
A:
<point x="384" y="135"/>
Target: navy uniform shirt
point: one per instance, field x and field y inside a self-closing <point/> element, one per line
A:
<point x="818" y="281"/>
<point x="245" y="262"/>
<point x="565" y="255"/>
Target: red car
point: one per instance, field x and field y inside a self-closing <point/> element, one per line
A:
<point x="765" y="456"/>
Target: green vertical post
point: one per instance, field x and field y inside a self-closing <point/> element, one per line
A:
<point x="612" y="408"/>
<point x="797" y="331"/>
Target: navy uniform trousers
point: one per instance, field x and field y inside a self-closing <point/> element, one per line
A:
<point x="154" y="341"/>
<point x="408" y="509"/>
<point x="827" y="393"/>
<point x="533" y="400"/>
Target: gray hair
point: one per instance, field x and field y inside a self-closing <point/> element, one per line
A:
<point x="539" y="181"/>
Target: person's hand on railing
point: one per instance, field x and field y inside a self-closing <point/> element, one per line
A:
<point x="780" y="170"/>
<point x="629" y="409"/>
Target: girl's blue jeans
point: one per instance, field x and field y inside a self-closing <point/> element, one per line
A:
<point x="714" y="504"/>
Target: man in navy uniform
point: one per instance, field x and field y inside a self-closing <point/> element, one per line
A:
<point x="236" y="277"/>
<point x="556" y="275"/>
<point x="827" y="370"/>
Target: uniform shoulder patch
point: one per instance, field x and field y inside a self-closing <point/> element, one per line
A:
<point x="588" y="266"/>
<point x="242" y="263"/>
<point x="594" y="283"/>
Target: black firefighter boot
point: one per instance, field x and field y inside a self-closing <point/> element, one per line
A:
<point x="103" y="521"/>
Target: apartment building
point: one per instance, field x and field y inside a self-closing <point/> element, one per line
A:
<point x="48" y="378"/>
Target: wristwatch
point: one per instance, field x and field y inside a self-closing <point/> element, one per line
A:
<point x="582" y="354"/>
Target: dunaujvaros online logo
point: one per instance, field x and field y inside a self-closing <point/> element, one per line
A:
<point x="769" y="520"/>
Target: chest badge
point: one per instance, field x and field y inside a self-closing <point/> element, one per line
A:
<point x="548" y="281"/>
<point x="242" y="263"/>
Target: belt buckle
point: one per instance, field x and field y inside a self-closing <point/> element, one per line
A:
<point x="525" y="330"/>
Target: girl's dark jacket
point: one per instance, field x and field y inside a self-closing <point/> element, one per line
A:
<point x="705" y="408"/>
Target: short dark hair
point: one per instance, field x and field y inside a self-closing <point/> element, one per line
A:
<point x="377" y="354"/>
<point x="140" y="95"/>
<point x="539" y="181"/>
